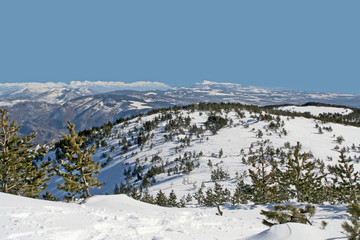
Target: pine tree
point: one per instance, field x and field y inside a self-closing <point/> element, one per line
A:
<point x="48" y="196"/>
<point x="172" y="200"/>
<point x="146" y="197"/>
<point x="354" y="229"/>
<point x="188" y="198"/>
<point x="161" y="199"/>
<point x="209" y="199"/>
<point x="261" y="178"/>
<point x="221" y="153"/>
<point x="288" y="213"/>
<point x="123" y="189"/>
<point x="220" y="195"/>
<point x="303" y="174"/>
<point x="19" y="174"/>
<point x="116" y="189"/>
<point x="78" y="167"/>
<point x="242" y="193"/>
<point x="135" y="194"/>
<point x="182" y="202"/>
<point x="199" y="195"/>
<point x="345" y="180"/>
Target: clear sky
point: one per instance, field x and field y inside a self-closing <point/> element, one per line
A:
<point x="303" y="45"/>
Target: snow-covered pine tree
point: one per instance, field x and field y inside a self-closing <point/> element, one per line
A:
<point x="261" y="177"/>
<point x="18" y="172"/>
<point x="78" y="169"/>
<point x="199" y="195"/>
<point x="220" y="195"/>
<point x="288" y="213"/>
<point x="345" y="180"/>
<point x="303" y="174"/>
<point x="209" y="198"/>
<point x="353" y="229"/>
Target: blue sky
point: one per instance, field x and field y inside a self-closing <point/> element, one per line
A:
<point x="303" y="45"/>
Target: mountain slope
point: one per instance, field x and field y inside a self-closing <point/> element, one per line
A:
<point x="184" y="150"/>
<point x="176" y="145"/>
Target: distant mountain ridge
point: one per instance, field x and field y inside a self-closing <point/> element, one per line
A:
<point x="45" y="108"/>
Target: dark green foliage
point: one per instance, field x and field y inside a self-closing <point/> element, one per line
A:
<point x="103" y="143"/>
<point x="48" y="196"/>
<point x="116" y="189"/>
<point x="146" y="197"/>
<point x="199" y="195"/>
<point x="221" y="153"/>
<point x="77" y="167"/>
<point x="220" y="195"/>
<point x="125" y="189"/>
<point x="161" y="199"/>
<point x="261" y="178"/>
<point x="142" y="139"/>
<point x="345" y="181"/>
<point x="242" y="193"/>
<point x="216" y="196"/>
<point x="353" y="228"/>
<point x="215" y="123"/>
<point x="340" y="139"/>
<point x="172" y="200"/>
<point x="209" y="198"/>
<point x="135" y="194"/>
<point x="154" y="170"/>
<point x="145" y="183"/>
<point x="267" y="183"/>
<point x="303" y="174"/>
<point x="219" y="174"/>
<point x="19" y="174"/>
<point x="288" y="213"/>
<point x="259" y="134"/>
<point x="188" y="198"/>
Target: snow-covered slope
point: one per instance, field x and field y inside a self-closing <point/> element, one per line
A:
<point x="173" y="140"/>
<point x="172" y="149"/>
<point x="316" y="110"/>
<point x="120" y="217"/>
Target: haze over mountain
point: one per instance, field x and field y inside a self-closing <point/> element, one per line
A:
<point x="48" y="106"/>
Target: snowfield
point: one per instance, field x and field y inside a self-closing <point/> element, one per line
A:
<point x="121" y="217"/>
<point x="316" y="110"/>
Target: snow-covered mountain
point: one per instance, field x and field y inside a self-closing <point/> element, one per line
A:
<point x="179" y="150"/>
<point x="47" y="107"/>
<point x="175" y="138"/>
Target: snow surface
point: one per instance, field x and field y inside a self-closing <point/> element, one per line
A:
<point x="120" y="217"/>
<point x="316" y="110"/>
<point x="138" y="105"/>
<point x="230" y="139"/>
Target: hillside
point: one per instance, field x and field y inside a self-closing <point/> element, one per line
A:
<point x="179" y="149"/>
<point x="203" y="159"/>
